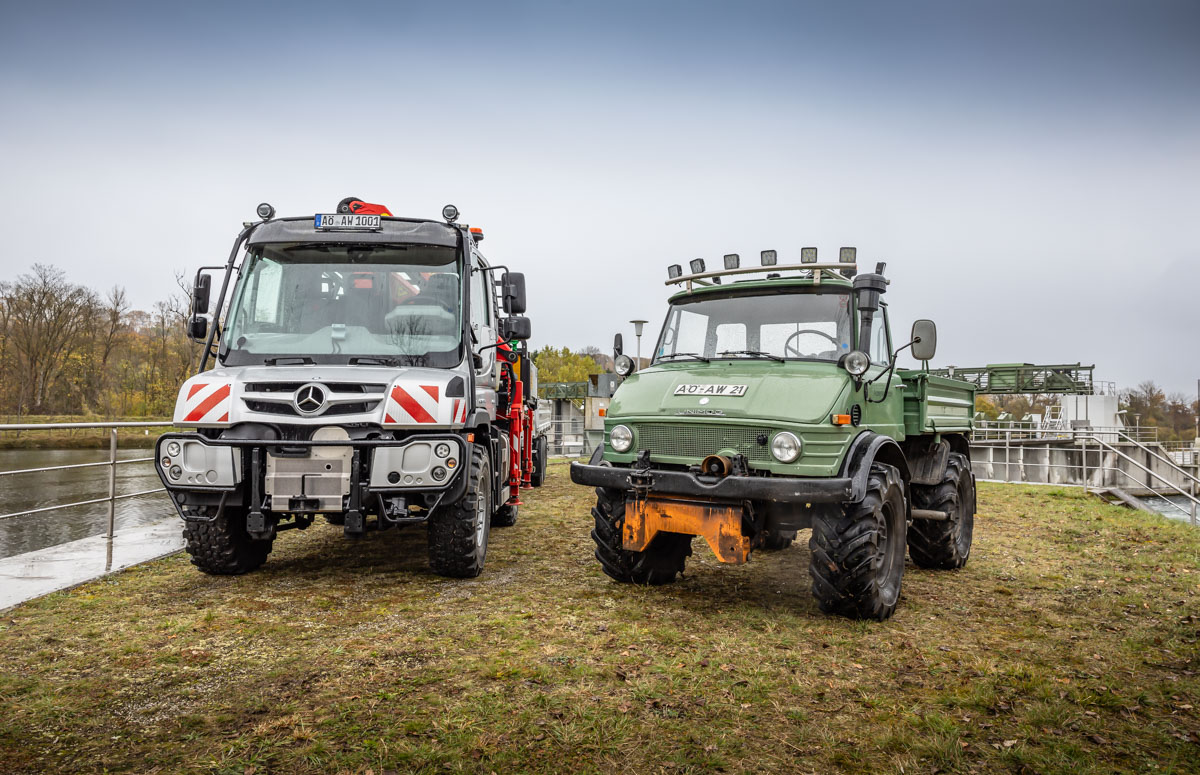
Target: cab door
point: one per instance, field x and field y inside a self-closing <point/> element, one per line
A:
<point x="483" y="330"/>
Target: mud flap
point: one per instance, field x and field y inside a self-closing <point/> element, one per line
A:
<point x="719" y="525"/>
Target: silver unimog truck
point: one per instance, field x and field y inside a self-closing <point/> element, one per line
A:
<point x="368" y="368"/>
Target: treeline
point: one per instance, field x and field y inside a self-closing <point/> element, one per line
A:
<point x="1147" y="405"/>
<point x="67" y="350"/>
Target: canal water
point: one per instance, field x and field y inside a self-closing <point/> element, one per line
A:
<point x="50" y="528"/>
<point x="1170" y="506"/>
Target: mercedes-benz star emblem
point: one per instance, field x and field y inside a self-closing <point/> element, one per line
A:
<point x="309" y="399"/>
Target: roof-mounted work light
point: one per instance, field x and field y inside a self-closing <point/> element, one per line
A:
<point x="732" y="260"/>
<point x="768" y="257"/>
<point x="266" y="211"/>
<point x="847" y="255"/>
<point x="674" y="270"/>
<point x="808" y="255"/>
<point x="450" y="213"/>
<point x="697" y="265"/>
<point x="476" y="233"/>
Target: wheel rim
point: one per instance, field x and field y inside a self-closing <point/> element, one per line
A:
<point x="893" y="560"/>
<point x="481" y="516"/>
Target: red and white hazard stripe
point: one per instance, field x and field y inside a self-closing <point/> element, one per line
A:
<point x="204" y="403"/>
<point x="420" y="404"/>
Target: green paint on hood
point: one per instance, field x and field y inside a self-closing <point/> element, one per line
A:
<point x="803" y="392"/>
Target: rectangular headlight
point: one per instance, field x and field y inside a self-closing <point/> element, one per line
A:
<point x="673" y="271"/>
<point x="697" y="265"/>
<point x="732" y="261"/>
<point x="808" y="255"/>
<point x="768" y="257"/>
<point x="847" y="255"/>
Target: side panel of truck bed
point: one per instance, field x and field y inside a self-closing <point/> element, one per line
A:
<point x="936" y="404"/>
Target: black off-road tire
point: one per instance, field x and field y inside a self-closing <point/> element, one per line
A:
<point x="541" y="453"/>
<point x="505" y="516"/>
<point x="336" y="519"/>
<point x="776" y="540"/>
<point x="945" y="545"/>
<point x="458" y="532"/>
<point x="858" y="551"/>
<point x="223" y="547"/>
<point x="661" y="561"/>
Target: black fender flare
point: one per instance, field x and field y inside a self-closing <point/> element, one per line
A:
<point x="867" y="448"/>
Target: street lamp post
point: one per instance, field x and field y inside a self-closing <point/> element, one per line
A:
<point x="637" y="331"/>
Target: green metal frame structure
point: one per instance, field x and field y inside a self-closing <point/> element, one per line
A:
<point x="1014" y="378"/>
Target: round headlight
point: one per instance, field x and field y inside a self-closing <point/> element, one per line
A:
<point x="265" y="211"/>
<point x="856" y="362"/>
<point x="173" y="448"/>
<point x="785" y="447"/>
<point x="442" y="450"/>
<point x="450" y="213"/>
<point x="621" y="438"/>
<point x="174" y="472"/>
<point x="623" y="365"/>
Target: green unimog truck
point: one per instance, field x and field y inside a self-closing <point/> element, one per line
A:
<point x="772" y="405"/>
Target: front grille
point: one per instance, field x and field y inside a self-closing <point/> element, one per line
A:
<point x="336" y="387"/>
<point x="271" y="407"/>
<point x="698" y="440"/>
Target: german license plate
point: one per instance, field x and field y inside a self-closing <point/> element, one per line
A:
<point x="710" y="390"/>
<point x="346" y="222"/>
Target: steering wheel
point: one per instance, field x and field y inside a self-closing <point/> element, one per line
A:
<point x="790" y="350"/>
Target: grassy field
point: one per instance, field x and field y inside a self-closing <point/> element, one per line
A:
<point x="1067" y="645"/>
<point x="77" y="438"/>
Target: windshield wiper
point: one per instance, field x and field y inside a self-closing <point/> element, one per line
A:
<point x="697" y="356"/>
<point x="302" y="360"/>
<point x="756" y="353"/>
<point x="379" y="360"/>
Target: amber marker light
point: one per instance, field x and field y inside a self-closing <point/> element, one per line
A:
<point x="841" y="419"/>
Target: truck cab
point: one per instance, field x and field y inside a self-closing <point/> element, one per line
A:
<point x="368" y="368"/>
<point x="773" y="404"/>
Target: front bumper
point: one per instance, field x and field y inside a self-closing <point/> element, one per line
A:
<point x="730" y="488"/>
<point x="241" y="472"/>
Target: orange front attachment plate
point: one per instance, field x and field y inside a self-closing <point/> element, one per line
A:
<point x="721" y="526"/>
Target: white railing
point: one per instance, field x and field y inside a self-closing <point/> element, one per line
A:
<point x="112" y="463"/>
<point x="1105" y="441"/>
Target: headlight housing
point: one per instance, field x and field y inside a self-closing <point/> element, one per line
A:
<point x="620" y="438"/>
<point x="856" y="362"/>
<point x="623" y="365"/>
<point x="785" y="447"/>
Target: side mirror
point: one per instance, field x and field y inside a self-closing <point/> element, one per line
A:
<point x="514" y="328"/>
<point x="618" y="346"/>
<point x="198" y="328"/>
<point x="513" y="284"/>
<point x="200" y="293"/>
<point x="924" y="336"/>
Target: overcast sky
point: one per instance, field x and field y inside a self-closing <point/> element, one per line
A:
<point x="1030" y="171"/>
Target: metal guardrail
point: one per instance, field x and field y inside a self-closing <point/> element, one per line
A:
<point x="999" y="429"/>
<point x="112" y="463"/>
<point x="1103" y="440"/>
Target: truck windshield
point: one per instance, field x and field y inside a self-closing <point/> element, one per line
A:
<point x="331" y="304"/>
<point x="796" y="324"/>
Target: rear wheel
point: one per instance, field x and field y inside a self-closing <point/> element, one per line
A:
<point x="458" y="532"/>
<point x="661" y="561"/>
<point x="858" y="551"/>
<point x="776" y="540"/>
<point x="540" y="451"/>
<point x="222" y="547"/>
<point x="945" y="544"/>
<point x="505" y="516"/>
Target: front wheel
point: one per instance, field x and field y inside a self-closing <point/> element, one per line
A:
<point x="858" y="550"/>
<point x="458" y="532"/>
<point x="222" y="547"/>
<point x="661" y="561"/>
